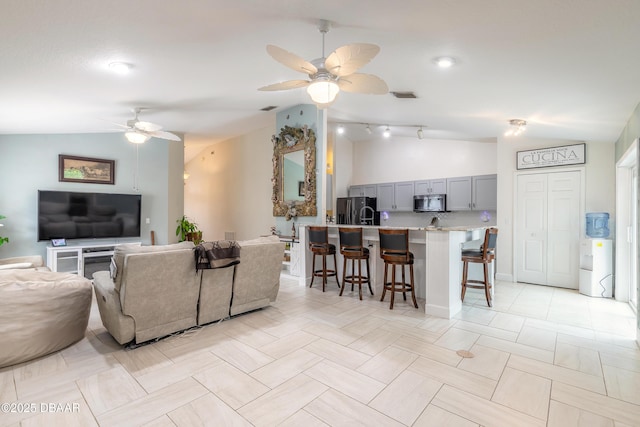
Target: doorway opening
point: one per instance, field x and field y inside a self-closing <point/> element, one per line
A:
<point x="627" y="227"/>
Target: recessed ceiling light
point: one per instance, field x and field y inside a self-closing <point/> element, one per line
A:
<point x="120" y="67"/>
<point x="445" y="61"/>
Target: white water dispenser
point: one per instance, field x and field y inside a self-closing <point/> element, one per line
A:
<point x="596" y="268"/>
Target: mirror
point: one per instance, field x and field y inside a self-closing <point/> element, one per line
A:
<point x="294" y="167"/>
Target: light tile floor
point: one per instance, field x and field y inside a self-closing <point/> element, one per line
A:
<point x="543" y="357"/>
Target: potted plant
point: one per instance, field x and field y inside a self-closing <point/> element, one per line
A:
<point x="3" y="240"/>
<point x="188" y="230"/>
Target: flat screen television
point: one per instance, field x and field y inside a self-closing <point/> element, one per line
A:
<point x="75" y="215"/>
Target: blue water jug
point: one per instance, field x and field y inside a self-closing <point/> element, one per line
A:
<point x="598" y="225"/>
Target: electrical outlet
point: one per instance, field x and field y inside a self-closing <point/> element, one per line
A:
<point x="148" y="221"/>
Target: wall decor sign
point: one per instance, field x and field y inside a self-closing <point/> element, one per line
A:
<point x="85" y="169"/>
<point x="551" y="156"/>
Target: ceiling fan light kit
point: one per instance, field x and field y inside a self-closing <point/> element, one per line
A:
<point x="323" y="92"/>
<point x="136" y="137"/>
<point x="139" y="132"/>
<point x="329" y="75"/>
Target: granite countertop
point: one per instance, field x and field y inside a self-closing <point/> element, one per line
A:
<point x="425" y="228"/>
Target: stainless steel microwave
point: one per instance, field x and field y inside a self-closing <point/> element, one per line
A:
<point x="430" y="203"/>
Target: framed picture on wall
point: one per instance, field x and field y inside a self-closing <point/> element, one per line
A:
<point x="85" y="169"/>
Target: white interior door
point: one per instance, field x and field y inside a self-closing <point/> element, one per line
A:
<point x="531" y="229"/>
<point x="548" y="228"/>
<point x="563" y="218"/>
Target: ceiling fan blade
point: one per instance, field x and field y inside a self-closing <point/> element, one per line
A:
<point x="165" y="135"/>
<point x="147" y="127"/>
<point x="291" y="60"/>
<point x="363" y="83"/>
<point x="289" y="84"/>
<point x="348" y="59"/>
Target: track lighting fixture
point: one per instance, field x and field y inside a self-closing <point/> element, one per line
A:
<point x="341" y="128"/>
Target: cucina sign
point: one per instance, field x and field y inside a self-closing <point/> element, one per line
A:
<point x="552" y="156"/>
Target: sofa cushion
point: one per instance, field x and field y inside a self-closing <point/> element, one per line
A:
<point x="259" y="241"/>
<point x="16" y="265"/>
<point x="123" y="250"/>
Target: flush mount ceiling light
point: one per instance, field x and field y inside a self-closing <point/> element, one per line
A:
<point x="420" y="133"/>
<point x="340" y="129"/>
<point x="517" y="127"/>
<point x="387" y="132"/>
<point x="445" y="61"/>
<point x="120" y="67"/>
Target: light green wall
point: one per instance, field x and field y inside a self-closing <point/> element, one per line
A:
<point x="29" y="163"/>
<point x="630" y="132"/>
<point x="298" y="116"/>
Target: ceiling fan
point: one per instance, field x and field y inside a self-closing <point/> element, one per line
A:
<point x="139" y="132"/>
<point x="329" y="75"/>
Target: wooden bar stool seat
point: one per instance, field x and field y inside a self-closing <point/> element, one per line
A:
<point x="394" y="251"/>
<point x="484" y="255"/>
<point x="319" y="245"/>
<point x="351" y="249"/>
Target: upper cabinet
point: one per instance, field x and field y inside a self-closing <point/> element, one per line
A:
<point x="485" y="193"/>
<point x="472" y="193"/>
<point x="459" y="193"/>
<point x="464" y="193"/>
<point x="368" y="190"/>
<point x="432" y="186"/>
<point x="395" y="196"/>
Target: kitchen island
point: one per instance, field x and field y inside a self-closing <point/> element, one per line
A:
<point x="437" y="265"/>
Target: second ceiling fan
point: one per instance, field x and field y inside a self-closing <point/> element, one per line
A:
<point x="329" y="75"/>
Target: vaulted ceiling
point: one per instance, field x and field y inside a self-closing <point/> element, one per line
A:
<point x="571" y="68"/>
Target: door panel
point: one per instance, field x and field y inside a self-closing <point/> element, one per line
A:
<point x="531" y="229"/>
<point x="564" y="229"/>
<point x="548" y="228"/>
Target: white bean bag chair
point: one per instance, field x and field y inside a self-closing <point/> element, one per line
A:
<point x="41" y="312"/>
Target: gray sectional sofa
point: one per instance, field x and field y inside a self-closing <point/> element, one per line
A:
<point x="154" y="291"/>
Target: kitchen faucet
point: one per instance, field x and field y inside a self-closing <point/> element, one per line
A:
<point x="367" y="220"/>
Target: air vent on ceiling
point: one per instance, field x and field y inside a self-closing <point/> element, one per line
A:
<point x="269" y="108"/>
<point x="404" y="95"/>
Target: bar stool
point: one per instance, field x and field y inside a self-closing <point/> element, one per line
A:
<point x="351" y="249"/>
<point x="319" y="245"/>
<point x="394" y="251"/>
<point x="485" y="255"/>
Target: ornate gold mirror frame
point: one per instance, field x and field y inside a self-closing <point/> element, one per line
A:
<point x="289" y="140"/>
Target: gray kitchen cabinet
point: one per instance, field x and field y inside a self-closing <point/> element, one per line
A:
<point x="356" y="191"/>
<point x="459" y="193"/>
<point x="395" y="196"/>
<point x="476" y="193"/>
<point x="386" y="197"/>
<point x="485" y="193"/>
<point x="431" y="186"/>
<point x="362" y="190"/>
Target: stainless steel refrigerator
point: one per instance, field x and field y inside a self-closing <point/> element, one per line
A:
<point x="357" y="211"/>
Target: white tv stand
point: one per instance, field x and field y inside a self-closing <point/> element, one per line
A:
<point x="72" y="258"/>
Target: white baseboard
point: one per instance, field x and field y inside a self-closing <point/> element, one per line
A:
<point x="504" y="277"/>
